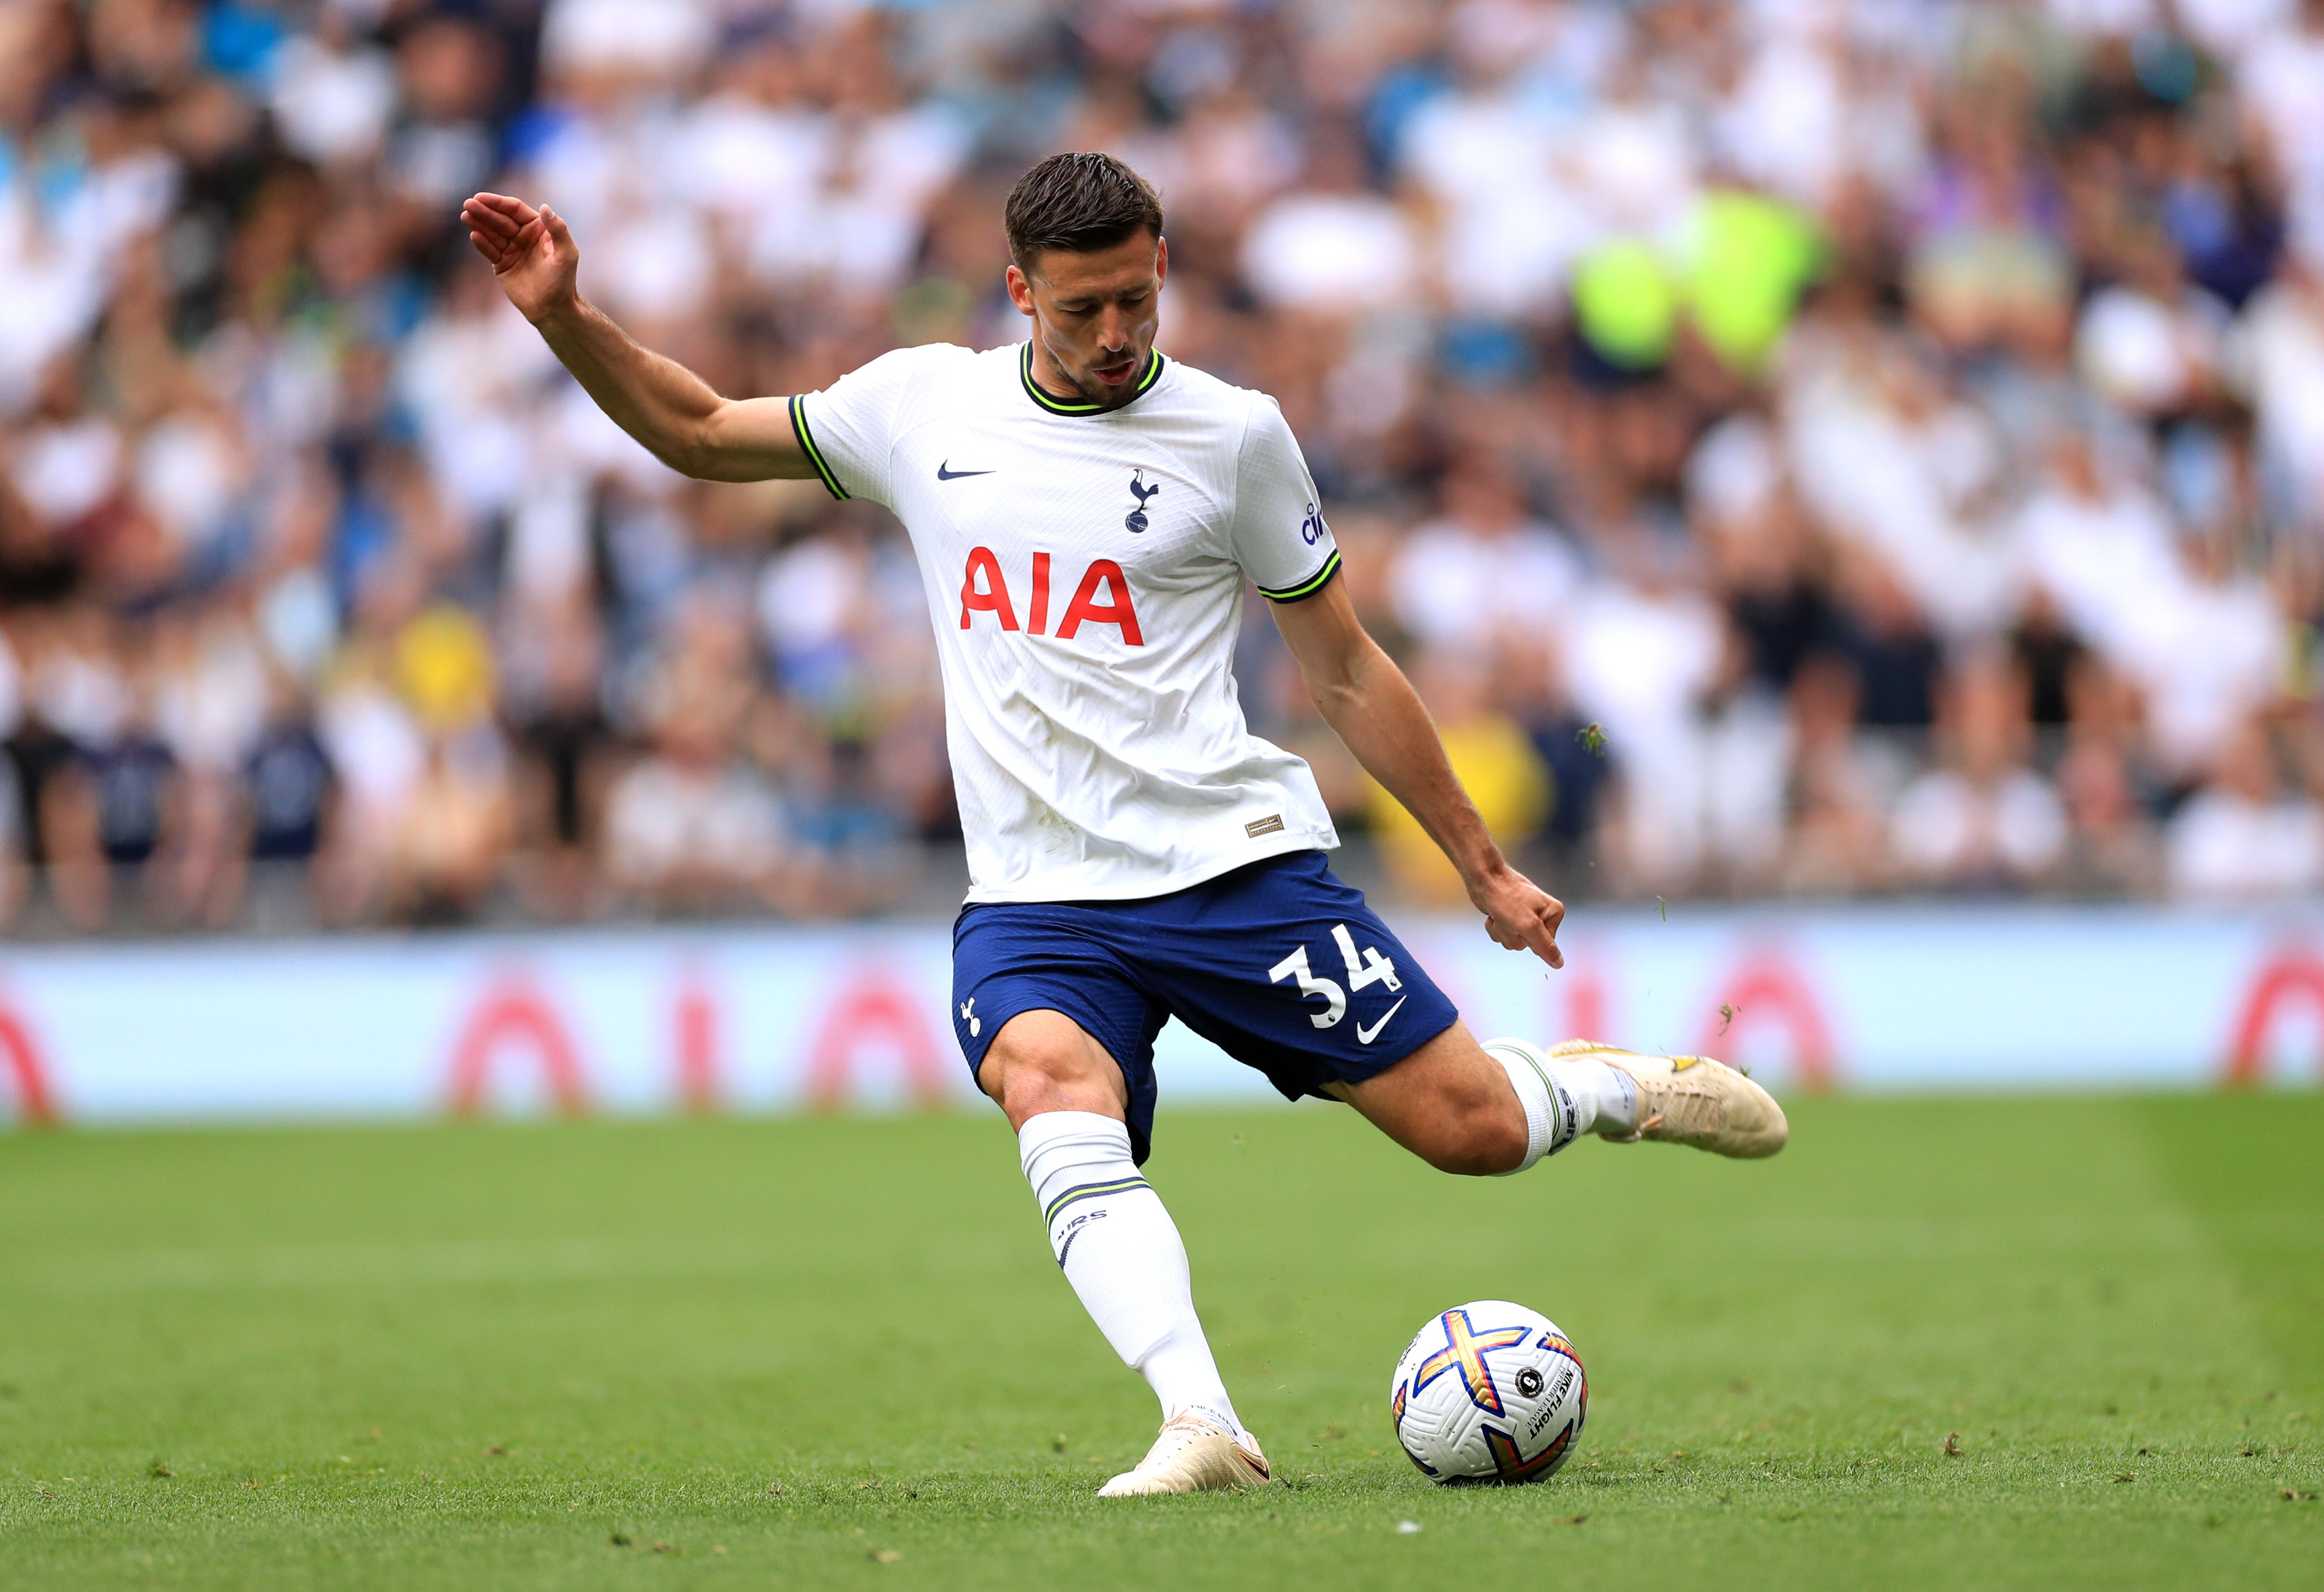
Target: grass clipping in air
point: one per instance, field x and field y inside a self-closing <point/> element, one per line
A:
<point x="2039" y="1343"/>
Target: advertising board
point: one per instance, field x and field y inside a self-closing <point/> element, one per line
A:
<point x="752" y="1019"/>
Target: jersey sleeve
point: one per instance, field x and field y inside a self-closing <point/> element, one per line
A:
<point x="1280" y="539"/>
<point x="848" y="429"/>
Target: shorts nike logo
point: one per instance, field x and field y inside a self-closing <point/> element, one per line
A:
<point x="944" y="472"/>
<point x="1366" y="1036"/>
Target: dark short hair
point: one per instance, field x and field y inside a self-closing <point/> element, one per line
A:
<point x="1079" y="203"/>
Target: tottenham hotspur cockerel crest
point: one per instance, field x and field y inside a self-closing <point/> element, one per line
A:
<point x="1135" y="520"/>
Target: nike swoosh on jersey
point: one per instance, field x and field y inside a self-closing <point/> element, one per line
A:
<point x="944" y="472"/>
<point x="1366" y="1036"/>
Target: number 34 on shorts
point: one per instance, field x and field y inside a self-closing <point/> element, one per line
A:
<point x="1370" y="968"/>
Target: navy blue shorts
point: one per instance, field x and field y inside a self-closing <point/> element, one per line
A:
<point x="1278" y="964"/>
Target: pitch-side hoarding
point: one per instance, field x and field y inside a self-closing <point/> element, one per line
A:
<point x="781" y="1018"/>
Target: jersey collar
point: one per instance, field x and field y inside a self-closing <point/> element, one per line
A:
<point x="1051" y="404"/>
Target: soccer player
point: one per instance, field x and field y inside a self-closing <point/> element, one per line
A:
<point x="1085" y="513"/>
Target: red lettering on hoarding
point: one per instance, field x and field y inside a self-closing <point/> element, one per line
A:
<point x="513" y="1013"/>
<point x="1769" y="991"/>
<point x="36" y="1107"/>
<point x="2293" y="975"/>
<point x="1585" y="1006"/>
<point x="697" y="1048"/>
<point x="872" y="1007"/>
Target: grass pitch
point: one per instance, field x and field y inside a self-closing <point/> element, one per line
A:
<point x="836" y="1353"/>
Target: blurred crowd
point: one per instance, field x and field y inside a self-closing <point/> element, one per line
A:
<point x="1805" y="446"/>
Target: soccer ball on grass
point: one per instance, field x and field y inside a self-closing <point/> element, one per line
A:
<point x="1490" y="1391"/>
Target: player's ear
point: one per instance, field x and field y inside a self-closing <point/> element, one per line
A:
<point x="1020" y="290"/>
<point x="1161" y="259"/>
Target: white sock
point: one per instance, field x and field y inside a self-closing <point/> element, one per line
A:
<point x="1121" y="1252"/>
<point x="1564" y="1097"/>
<point x="1606" y="1096"/>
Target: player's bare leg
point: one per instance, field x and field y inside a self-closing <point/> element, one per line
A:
<point x="1066" y="1096"/>
<point x="1500" y="1106"/>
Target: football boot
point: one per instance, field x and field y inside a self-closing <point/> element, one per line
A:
<point x="1694" y="1101"/>
<point x="1193" y="1454"/>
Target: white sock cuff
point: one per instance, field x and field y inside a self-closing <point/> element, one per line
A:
<point x="1057" y="1141"/>
<point x="1549" y="1111"/>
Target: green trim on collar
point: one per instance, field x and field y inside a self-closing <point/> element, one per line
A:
<point x="814" y="454"/>
<point x="1055" y="406"/>
<point x="1308" y="587"/>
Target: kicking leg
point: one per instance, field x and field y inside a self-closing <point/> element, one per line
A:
<point x="1066" y="1097"/>
<point x="1500" y="1106"/>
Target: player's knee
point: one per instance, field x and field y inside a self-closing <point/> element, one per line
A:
<point x="1481" y="1142"/>
<point x="1501" y="1142"/>
<point x="1041" y="1062"/>
<point x="1030" y="1075"/>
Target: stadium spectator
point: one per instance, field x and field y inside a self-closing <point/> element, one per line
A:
<point x="1334" y="245"/>
<point x="1837" y="844"/>
<point x="116" y="816"/>
<point x="1495" y="761"/>
<point x="1983" y="819"/>
<point x="1484" y="573"/>
<point x="552" y="696"/>
<point x="1703" y="371"/>
<point x="447" y="855"/>
<point x="290" y="810"/>
<point x="2112" y="848"/>
<point x="694" y="826"/>
<point x="2243" y="833"/>
<point x="690" y="828"/>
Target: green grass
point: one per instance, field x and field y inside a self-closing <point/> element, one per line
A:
<point x="777" y="1353"/>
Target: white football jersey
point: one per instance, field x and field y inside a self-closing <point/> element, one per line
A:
<point x="1084" y="569"/>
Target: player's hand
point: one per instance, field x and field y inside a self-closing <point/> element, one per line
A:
<point x="532" y="253"/>
<point x="1519" y="913"/>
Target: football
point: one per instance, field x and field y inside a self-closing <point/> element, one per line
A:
<point x="1490" y="1391"/>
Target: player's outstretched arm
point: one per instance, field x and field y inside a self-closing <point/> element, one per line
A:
<point x="668" y="408"/>
<point x="1373" y="708"/>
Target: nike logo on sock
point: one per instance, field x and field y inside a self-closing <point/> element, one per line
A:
<point x="944" y="472"/>
<point x="1366" y="1036"/>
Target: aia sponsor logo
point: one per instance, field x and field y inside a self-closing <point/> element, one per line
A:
<point x="1101" y="597"/>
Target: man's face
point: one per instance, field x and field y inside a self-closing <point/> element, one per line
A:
<point x="1094" y="315"/>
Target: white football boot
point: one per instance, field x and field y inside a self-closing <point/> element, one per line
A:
<point x="1193" y="1455"/>
<point x="1694" y="1101"/>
